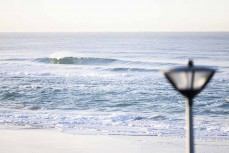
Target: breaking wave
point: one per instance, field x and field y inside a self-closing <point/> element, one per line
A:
<point x="77" y="60"/>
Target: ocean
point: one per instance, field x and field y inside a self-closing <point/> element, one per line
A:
<point x="111" y="83"/>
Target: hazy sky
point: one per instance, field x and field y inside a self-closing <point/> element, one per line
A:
<point x="113" y="15"/>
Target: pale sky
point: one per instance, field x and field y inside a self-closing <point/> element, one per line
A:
<point x="113" y="15"/>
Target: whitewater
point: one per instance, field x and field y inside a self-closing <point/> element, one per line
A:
<point x="111" y="83"/>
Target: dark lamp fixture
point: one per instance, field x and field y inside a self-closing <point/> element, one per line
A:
<point x="189" y="80"/>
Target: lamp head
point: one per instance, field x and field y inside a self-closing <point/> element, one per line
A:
<point x="189" y="80"/>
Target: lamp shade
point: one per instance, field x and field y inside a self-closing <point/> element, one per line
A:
<point x="189" y="80"/>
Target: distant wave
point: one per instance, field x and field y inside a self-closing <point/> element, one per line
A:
<point x="14" y="59"/>
<point x="94" y="61"/>
<point x="77" y="60"/>
<point x="132" y="70"/>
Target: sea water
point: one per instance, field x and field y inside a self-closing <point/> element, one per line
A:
<point x="111" y="83"/>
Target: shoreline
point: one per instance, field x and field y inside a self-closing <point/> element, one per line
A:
<point x="53" y="141"/>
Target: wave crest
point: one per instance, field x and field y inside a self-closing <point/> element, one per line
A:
<point x="132" y="70"/>
<point x="76" y="60"/>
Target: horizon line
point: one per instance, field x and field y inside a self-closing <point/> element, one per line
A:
<point x="114" y="31"/>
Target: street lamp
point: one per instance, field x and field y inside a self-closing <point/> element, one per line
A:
<point x="189" y="81"/>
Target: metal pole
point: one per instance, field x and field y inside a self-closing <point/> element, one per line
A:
<point x="189" y="129"/>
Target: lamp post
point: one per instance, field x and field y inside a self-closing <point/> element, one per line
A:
<point x="189" y="81"/>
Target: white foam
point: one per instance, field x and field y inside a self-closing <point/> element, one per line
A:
<point x="83" y="122"/>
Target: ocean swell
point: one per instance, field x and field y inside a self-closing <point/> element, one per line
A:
<point x="132" y="70"/>
<point x="77" y="60"/>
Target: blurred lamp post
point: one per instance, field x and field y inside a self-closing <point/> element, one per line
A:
<point x="189" y="81"/>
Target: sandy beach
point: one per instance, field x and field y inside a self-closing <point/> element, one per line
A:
<point x="53" y="141"/>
